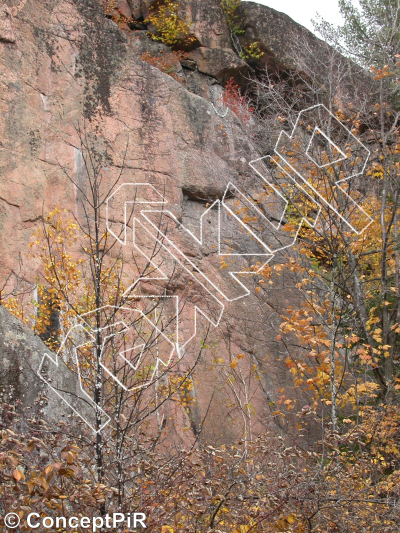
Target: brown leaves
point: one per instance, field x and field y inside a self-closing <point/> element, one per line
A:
<point x="42" y="481"/>
<point x="70" y="458"/>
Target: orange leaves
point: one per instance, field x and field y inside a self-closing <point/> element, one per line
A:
<point x="168" y="63"/>
<point x="237" y="103"/>
<point x="381" y="73"/>
<point x="396" y="328"/>
<point x="42" y="482"/>
<point x="364" y="354"/>
<point x="299" y="323"/>
<point x="112" y="11"/>
<point x="18" y="475"/>
<point x="289" y="403"/>
<point x="352" y="339"/>
<point x="50" y="468"/>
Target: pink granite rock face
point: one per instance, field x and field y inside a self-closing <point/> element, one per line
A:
<point x="70" y="67"/>
<point x="219" y="63"/>
<point x="6" y="29"/>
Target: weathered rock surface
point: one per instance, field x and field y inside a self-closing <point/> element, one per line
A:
<point x="156" y="53"/>
<point x="277" y="34"/>
<point x="6" y="29"/>
<point x="21" y="352"/>
<point x="221" y="64"/>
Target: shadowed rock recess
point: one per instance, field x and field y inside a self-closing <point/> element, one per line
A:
<point x="63" y="63"/>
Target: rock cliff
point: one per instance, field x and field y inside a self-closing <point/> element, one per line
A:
<point x="63" y="64"/>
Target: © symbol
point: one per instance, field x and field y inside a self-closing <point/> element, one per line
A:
<point x="12" y="520"/>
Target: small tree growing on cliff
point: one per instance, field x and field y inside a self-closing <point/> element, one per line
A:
<point x="86" y="277"/>
<point x="171" y="28"/>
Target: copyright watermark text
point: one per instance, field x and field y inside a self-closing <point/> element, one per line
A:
<point x="95" y="523"/>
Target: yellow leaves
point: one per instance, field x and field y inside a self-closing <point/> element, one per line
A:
<point x="377" y="337"/>
<point x="396" y="328"/>
<point x="234" y="364"/>
<point x="373" y="320"/>
<point x="171" y="29"/>
<point x="364" y="390"/>
<point x="242" y="529"/>
<point x="167" y="529"/>
<point x="249" y="408"/>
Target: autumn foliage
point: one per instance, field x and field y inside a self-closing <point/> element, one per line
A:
<point x="236" y="102"/>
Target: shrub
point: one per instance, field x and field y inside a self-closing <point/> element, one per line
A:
<point x="166" y="63"/>
<point x="111" y="11"/>
<point x="253" y="51"/>
<point x="230" y="7"/>
<point x="238" y="104"/>
<point x="171" y="29"/>
<point x="108" y="6"/>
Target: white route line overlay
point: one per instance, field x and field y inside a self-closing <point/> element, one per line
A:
<point x="350" y="137"/>
<point x="148" y="190"/>
<point x="85" y="329"/>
